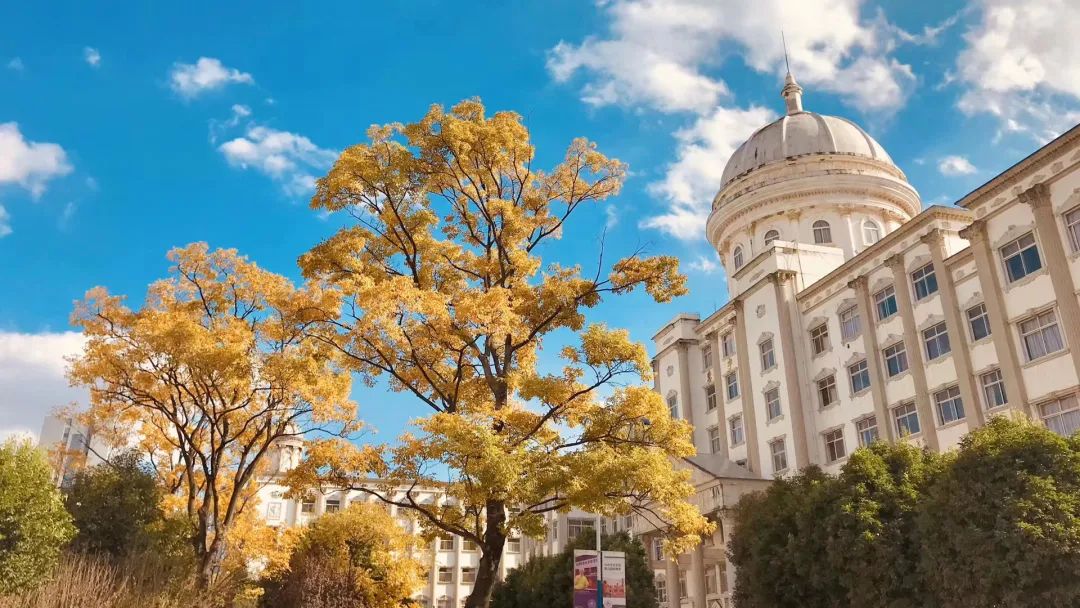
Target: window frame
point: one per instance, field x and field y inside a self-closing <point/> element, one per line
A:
<point x="727" y="344"/>
<point x="983" y="318"/>
<point x="1018" y="254"/>
<point x="771" y="352"/>
<point x="715" y="445"/>
<point x="822" y="232"/>
<point x="732" y="427"/>
<point x="448" y="571"/>
<point x="826" y="389"/>
<point x="465" y="574"/>
<point x="864" y="426"/>
<point x="939" y="339"/>
<point x="772" y="397"/>
<point x="775" y="236"/>
<point x="819" y="338"/>
<point x="896" y="354"/>
<point x="880" y="302"/>
<point x="851" y="327"/>
<point x="1041" y="331"/>
<point x="871" y="224"/>
<point x="865" y="364"/>
<point x="737" y="257"/>
<point x="706" y="357"/>
<point x="673" y="405"/>
<point x="834" y="438"/>
<point x="782" y="453"/>
<point x="710" y="397"/>
<point x="925" y="284"/>
<point x="731" y="380"/>
<point x="911" y="412"/>
<point x="581" y="524"/>
<point x="1065" y="416"/>
<point x="949" y="396"/>
<point x="995" y="385"/>
<point x="1072" y="227"/>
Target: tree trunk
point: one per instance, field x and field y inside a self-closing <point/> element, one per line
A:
<point x="209" y="562"/>
<point x="487" y="571"/>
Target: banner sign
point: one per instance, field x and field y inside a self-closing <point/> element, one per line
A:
<point x="585" y="576"/>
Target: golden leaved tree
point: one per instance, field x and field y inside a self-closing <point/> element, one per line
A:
<point x="211" y="372"/>
<point x="445" y="295"/>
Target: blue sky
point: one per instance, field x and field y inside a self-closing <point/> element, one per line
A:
<point x="128" y="130"/>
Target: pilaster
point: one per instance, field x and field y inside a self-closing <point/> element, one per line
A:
<point x="746" y="390"/>
<point x="783" y="284"/>
<point x="873" y="357"/>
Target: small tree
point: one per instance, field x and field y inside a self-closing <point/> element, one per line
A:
<point x="548" y="580"/>
<point x="34" y="526"/>
<point x="1001" y="526"/>
<point x="213" y="371"/>
<point x="358" y="557"/>
<point x="446" y="296"/>
<point x="115" y="506"/>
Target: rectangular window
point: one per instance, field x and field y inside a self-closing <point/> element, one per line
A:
<point x="1072" y="226"/>
<point x="772" y="404"/>
<point x="673" y="406"/>
<point x="446" y="543"/>
<point x="896" y="361"/>
<point x="333" y="505"/>
<point x="446" y="575"/>
<point x="706" y="358"/>
<point x="826" y="388"/>
<point x="885" y="303"/>
<point x="735" y="425"/>
<point x="779" y="455"/>
<point x="469" y="545"/>
<point x="710" y="581"/>
<point x="819" y="338"/>
<point x="949" y="405"/>
<point x="1041" y="335"/>
<point x="731" y="381"/>
<point x="867" y="430"/>
<point x="513" y="544"/>
<point x="710" y="397"/>
<point x="661" y="590"/>
<point x="993" y="387"/>
<point x="850" y="324"/>
<point x="714" y="440"/>
<point x="727" y="344"/>
<point x="577" y="527"/>
<point x="924" y="281"/>
<point x="1062" y="415"/>
<point x="308" y="505"/>
<point x="1021" y="257"/>
<point x="468" y="575"/>
<point x="834" y="445"/>
<point x="907" y="419"/>
<point x="768" y="358"/>
<point x="658" y="550"/>
<point x="936" y="340"/>
<point x="859" y="374"/>
<point x="979" y="322"/>
<point x="682" y="584"/>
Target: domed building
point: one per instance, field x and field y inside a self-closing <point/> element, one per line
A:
<point x="855" y="315"/>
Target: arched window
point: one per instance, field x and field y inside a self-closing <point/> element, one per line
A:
<point x="737" y="257"/>
<point x="771" y="236"/>
<point x="822" y="232"/>
<point x="871" y="232"/>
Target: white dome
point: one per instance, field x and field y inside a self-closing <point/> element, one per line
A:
<point x="800" y="134"/>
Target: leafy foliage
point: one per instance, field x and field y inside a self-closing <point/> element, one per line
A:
<point x="212" y="371"/>
<point x="548" y="580"/>
<point x="34" y="526"/>
<point x="995" y="524"/>
<point x="445" y="296"/>
<point x="1001" y="526"/>
<point x="115" y="506"/>
<point x="358" y="557"/>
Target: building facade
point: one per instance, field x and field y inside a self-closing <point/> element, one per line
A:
<point x="857" y="315"/>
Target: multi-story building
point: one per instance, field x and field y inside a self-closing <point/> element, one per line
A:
<point x="857" y="315"/>
<point x="70" y="446"/>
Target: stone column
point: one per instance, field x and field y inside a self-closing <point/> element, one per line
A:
<point x="913" y="347"/>
<point x="783" y="286"/>
<point x="1000" y="332"/>
<point x="955" y="324"/>
<point x="686" y="402"/>
<point x="697" y="576"/>
<point x="873" y="356"/>
<point x="746" y="390"/>
<point x="671" y="580"/>
<point x="720" y="389"/>
<point x="1038" y="198"/>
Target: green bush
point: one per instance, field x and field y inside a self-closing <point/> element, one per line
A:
<point x="116" y="506"/>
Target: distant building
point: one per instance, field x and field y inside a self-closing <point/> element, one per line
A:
<point x="70" y="446"/>
<point x="857" y="315"/>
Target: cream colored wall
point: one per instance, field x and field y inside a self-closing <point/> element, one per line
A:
<point x="763" y="319"/>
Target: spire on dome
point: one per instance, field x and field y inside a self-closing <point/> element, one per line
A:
<point x="792" y="92"/>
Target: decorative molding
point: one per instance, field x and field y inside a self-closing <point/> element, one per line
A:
<point x="855" y="358"/>
<point x="1014" y="232"/>
<point x="824" y="373"/>
<point x="769" y="386"/>
<point x="930" y="321"/>
<point x="765" y="336"/>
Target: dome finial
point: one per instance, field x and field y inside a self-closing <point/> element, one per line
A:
<point x="792" y="92"/>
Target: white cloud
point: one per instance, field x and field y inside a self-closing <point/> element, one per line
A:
<point x="611" y="216"/>
<point x="16" y="64"/>
<point x="705" y="264"/>
<point x="691" y="181"/>
<point x="1019" y="64"/>
<point x="289" y="158"/>
<point x="29" y="164"/>
<point x="955" y="165"/>
<point x="32" y="381"/>
<point x="659" y="52"/>
<point x="5" y="222"/>
<point x="207" y="74"/>
<point x="92" y="56"/>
